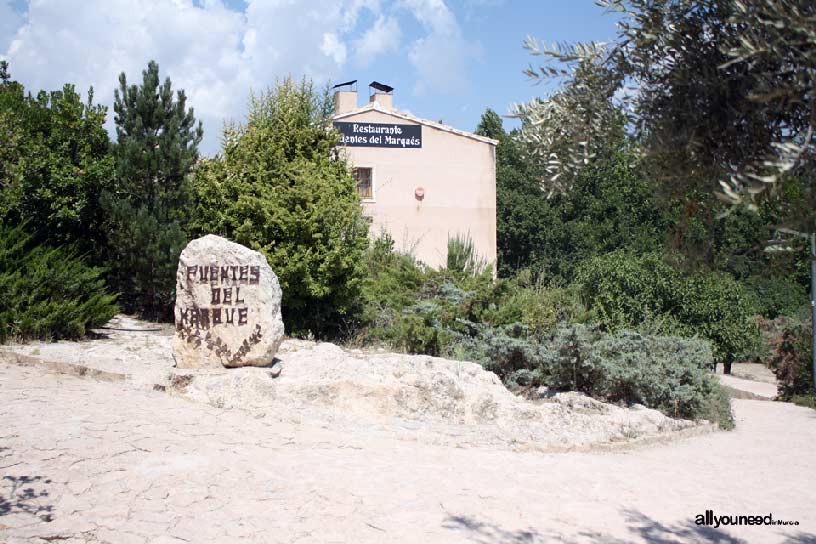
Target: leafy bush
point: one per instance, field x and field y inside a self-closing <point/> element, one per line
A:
<point x="392" y="282"/>
<point x="629" y="291"/>
<point x="540" y="308"/>
<point x="720" y="309"/>
<point x="418" y="330"/>
<point x="624" y="290"/>
<point x="402" y="298"/>
<point x="48" y="293"/>
<point x="279" y="188"/>
<point x="54" y="164"/>
<point x="807" y="401"/>
<point x="509" y="351"/>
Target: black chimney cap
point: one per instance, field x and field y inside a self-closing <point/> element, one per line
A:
<point x="352" y="82"/>
<point x="381" y="86"/>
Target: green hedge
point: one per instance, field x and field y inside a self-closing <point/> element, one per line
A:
<point x="48" y="293"/>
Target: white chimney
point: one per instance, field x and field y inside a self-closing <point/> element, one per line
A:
<point x="384" y="100"/>
<point x="345" y="101"/>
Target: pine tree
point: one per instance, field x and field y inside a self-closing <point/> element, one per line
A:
<point x="157" y="145"/>
<point x="157" y="140"/>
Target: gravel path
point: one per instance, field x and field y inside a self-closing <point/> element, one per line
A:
<point x="87" y="461"/>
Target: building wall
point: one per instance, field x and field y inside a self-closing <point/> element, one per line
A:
<point x="458" y="175"/>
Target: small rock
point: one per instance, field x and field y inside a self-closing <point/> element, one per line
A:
<point x="544" y="392"/>
<point x="276" y="369"/>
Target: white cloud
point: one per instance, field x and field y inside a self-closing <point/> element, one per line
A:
<point x="382" y="38"/>
<point x="333" y="48"/>
<point x="217" y="54"/>
<point x="440" y="57"/>
<point x="306" y="38"/>
<point x="90" y="43"/>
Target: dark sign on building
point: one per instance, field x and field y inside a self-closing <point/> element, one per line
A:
<point x="379" y="135"/>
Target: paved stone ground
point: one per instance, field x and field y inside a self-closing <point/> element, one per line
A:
<point x="91" y="462"/>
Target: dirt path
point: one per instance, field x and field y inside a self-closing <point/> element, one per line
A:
<point x="757" y="390"/>
<point x="107" y="464"/>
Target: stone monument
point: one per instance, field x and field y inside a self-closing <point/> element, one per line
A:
<point x="228" y="306"/>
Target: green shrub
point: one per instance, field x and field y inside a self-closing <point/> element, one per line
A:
<point x="279" y="187"/>
<point x="625" y="291"/>
<point x="392" y="283"/>
<point x="414" y="308"/>
<point x="509" y="351"/>
<point x="418" y="330"/>
<point x="462" y="258"/>
<point x="670" y="374"/>
<point x="541" y="308"/>
<point x="48" y="293"/>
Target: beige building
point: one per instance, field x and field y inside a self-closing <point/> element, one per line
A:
<point x="419" y="180"/>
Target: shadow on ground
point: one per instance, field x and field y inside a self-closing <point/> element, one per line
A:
<point x="488" y="533"/>
<point x="25" y="495"/>
<point x="640" y="526"/>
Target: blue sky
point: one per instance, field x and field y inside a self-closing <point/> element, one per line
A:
<point x="447" y="59"/>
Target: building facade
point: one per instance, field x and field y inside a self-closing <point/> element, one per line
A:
<point x="420" y="181"/>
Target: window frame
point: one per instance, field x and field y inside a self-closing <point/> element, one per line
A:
<point x="373" y="197"/>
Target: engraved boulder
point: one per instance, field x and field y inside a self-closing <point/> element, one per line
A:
<point x="228" y="306"/>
